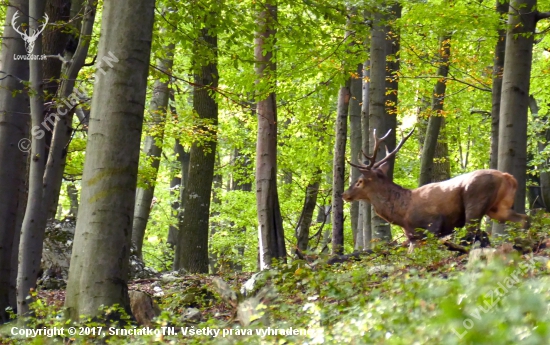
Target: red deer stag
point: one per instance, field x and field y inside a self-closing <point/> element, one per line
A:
<point x="437" y="207"/>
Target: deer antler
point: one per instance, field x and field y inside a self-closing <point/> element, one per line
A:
<point x="377" y="141"/>
<point x="393" y="153"/>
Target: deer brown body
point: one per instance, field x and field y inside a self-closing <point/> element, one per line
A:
<point x="437" y="207"/>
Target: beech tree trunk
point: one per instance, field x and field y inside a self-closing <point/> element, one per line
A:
<point x="178" y="185"/>
<point x="356" y="91"/>
<point x="152" y="149"/>
<point x="34" y="222"/>
<point x="436" y="119"/>
<point x="365" y="207"/>
<point x="512" y="140"/>
<point x="72" y="193"/>
<point x="498" y="67"/>
<point x="14" y="101"/>
<point x="339" y="169"/>
<point x="270" y="224"/>
<point x="383" y="98"/>
<point x="63" y="117"/>
<point x="543" y="138"/>
<point x="192" y="248"/>
<point x="302" y="230"/>
<point x="244" y="185"/>
<point x="100" y="258"/>
<point x="54" y="42"/>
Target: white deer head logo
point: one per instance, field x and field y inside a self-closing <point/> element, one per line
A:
<point x="32" y="35"/>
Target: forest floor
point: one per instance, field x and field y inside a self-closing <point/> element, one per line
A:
<point x="432" y="296"/>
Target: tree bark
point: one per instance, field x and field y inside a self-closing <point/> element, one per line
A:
<point x="270" y="223"/>
<point x="383" y="98"/>
<point x="54" y="41"/>
<point x="302" y="230"/>
<point x="436" y="119"/>
<point x="153" y="149"/>
<point x="34" y="222"/>
<point x="192" y="248"/>
<point x="100" y="258"/>
<point x="365" y="207"/>
<point x="339" y="169"/>
<point x="244" y="185"/>
<point x="14" y="105"/>
<point x="496" y="92"/>
<point x="178" y="185"/>
<point x="355" y="145"/>
<point x="512" y="141"/>
<point x="53" y="177"/>
<point x="542" y="143"/>
<point x="72" y="193"/>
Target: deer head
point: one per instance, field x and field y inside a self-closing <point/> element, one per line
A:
<point x="375" y="173"/>
<point x="33" y="34"/>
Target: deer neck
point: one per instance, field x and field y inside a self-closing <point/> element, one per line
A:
<point x="391" y="201"/>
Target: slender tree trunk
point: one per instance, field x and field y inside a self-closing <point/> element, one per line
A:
<point x="302" y="230"/>
<point x="217" y="185"/>
<point x="244" y="185"/>
<point x="34" y="222"/>
<point x="192" y="248"/>
<point x="63" y="116"/>
<point x="178" y="185"/>
<point x="100" y="258"/>
<point x="498" y="66"/>
<point x="72" y="193"/>
<point x="339" y="169"/>
<point x="436" y="119"/>
<point x="270" y="223"/>
<point x="356" y="100"/>
<point x="512" y="140"/>
<point x="365" y="207"/>
<point x="23" y="195"/>
<point x="14" y="103"/>
<point x="441" y="164"/>
<point x="542" y="142"/>
<point x="152" y="149"/>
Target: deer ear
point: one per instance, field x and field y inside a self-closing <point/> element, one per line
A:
<point x="384" y="168"/>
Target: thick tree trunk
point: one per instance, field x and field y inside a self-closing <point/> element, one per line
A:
<point x="192" y="248"/>
<point x="498" y="66"/>
<point x="356" y="90"/>
<point x="365" y="207"/>
<point x="436" y="119"/>
<point x="54" y="41"/>
<point x="34" y="222"/>
<point x="63" y="116"/>
<point x="339" y="169"/>
<point x="152" y="149"/>
<point x="99" y="264"/>
<point x="13" y="140"/>
<point x="383" y="98"/>
<point x="270" y="223"/>
<point x="512" y="140"/>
